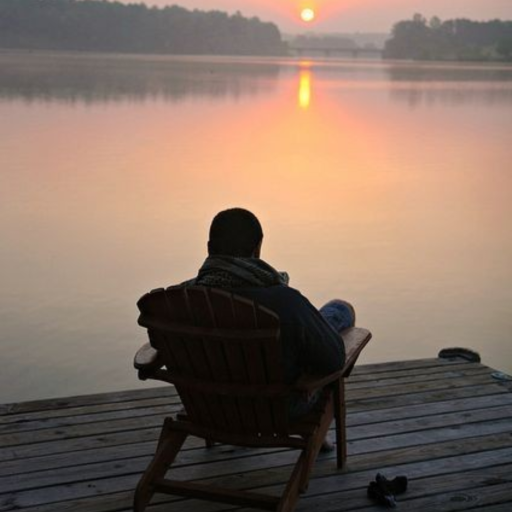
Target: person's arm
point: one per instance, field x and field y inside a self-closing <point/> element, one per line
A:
<point x="322" y="348"/>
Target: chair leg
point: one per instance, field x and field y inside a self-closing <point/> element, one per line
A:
<point x="168" y="448"/>
<point x="309" y="461"/>
<point x="315" y="444"/>
<point x="291" y="493"/>
<point x="166" y="428"/>
<point x="340" y="413"/>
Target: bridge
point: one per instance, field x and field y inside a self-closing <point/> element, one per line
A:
<point x="334" y="51"/>
<point x="333" y="45"/>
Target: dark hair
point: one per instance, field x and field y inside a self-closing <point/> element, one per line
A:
<point x="234" y="232"/>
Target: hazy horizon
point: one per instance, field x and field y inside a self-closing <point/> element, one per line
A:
<point x="348" y="15"/>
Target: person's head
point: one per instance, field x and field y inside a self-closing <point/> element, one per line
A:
<point x="235" y="232"/>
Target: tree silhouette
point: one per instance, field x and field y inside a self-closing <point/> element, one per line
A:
<point x="458" y="39"/>
<point x="92" y="25"/>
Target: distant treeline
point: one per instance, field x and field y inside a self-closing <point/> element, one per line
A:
<point x="101" y="26"/>
<point x="458" y="39"/>
<point x="318" y="42"/>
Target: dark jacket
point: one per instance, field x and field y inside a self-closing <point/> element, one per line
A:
<point x="310" y="344"/>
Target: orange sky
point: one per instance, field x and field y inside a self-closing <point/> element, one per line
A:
<point x="350" y="15"/>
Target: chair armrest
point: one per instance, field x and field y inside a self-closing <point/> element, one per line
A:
<point x="309" y="383"/>
<point x="147" y="360"/>
<point x="354" y="339"/>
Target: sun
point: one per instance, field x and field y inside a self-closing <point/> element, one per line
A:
<point x="307" y="15"/>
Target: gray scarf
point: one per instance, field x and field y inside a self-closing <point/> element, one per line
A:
<point x="233" y="272"/>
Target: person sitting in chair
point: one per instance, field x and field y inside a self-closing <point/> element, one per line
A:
<point x="311" y="338"/>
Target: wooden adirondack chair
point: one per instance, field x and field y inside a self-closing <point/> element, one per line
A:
<point x="224" y="355"/>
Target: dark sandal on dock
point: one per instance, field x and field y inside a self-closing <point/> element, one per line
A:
<point x="383" y="491"/>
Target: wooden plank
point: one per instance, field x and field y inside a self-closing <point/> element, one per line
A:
<point x="455" y="449"/>
<point x="125" y="459"/>
<point x="415" y="462"/>
<point x="338" y="483"/>
<point x="430" y="451"/>
<point x="505" y="384"/>
<point x="425" y="398"/>
<point x="373" y="430"/>
<point x="73" y="458"/>
<point x="463" y="490"/>
<point x="418" y="387"/>
<point x="89" y="410"/>
<point x="37" y="436"/>
<point x="461" y="450"/>
<point x="449" y="429"/>
<point x="353" y="497"/>
<point x="404" y="411"/>
<point x="378" y="418"/>
<point x="36" y="421"/>
<point x="27" y="421"/>
<point x="408" y="364"/>
<point x="376" y="403"/>
<point x="435" y="435"/>
<point x="83" y="419"/>
<point x="437" y="493"/>
<point x="446" y="466"/>
<point x="83" y="400"/>
<point x="428" y="423"/>
<point x="389" y="402"/>
<point x="87" y="429"/>
<point x="409" y="379"/>
<point x="127" y="480"/>
<point x="452" y="501"/>
<point x="128" y="400"/>
<point x="361" y="376"/>
<point x="78" y="444"/>
<point x="422" y="490"/>
<point x="94" y="487"/>
<point x="389" y="443"/>
<point x="332" y="482"/>
<point x="502" y="507"/>
<point x="59" y="404"/>
<point x="368" y="370"/>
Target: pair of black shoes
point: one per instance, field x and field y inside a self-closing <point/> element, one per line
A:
<point x="383" y="491"/>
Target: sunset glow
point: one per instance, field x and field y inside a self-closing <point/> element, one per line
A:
<point x="332" y="16"/>
<point x="307" y="15"/>
<point x="305" y="88"/>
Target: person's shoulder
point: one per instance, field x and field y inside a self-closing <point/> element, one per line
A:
<point x="291" y="294"/>
<point x="287" y="302"/>
<point x="184" y="284"/>
<point x="278" y="291"/>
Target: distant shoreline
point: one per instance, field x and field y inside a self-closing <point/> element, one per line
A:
<point x="253" y="59"/>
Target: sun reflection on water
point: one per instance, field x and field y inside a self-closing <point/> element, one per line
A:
<point x="305" y="88"/>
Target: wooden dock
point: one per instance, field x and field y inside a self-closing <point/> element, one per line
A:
<point x="445" y="424"/>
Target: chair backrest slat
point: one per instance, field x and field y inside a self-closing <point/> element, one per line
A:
<point x="201" y="307"/>
<point x="211" y="336"/>
<point x="222" y="305"/>
<point x="222" y="358"/>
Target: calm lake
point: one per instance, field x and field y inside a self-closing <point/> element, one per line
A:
<point x="385" y="184"/>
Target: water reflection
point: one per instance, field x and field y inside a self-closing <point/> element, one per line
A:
<point x="419" y="94"/>
<point x="305" y="88"/>
<point x="93" y="78"/>
<point x="431" y="84"/>
<point x="452" y="72"/>
<point x="87" y="78"/>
